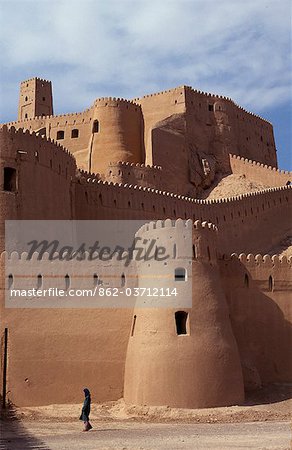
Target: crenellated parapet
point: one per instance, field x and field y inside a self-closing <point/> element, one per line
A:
<point x="267" y="273"/>
<point x="45" y="270"/>
<point x="116" y="102"/>
<point x="82" y="176"/>
<point x="42" y="80"/>
<point x="135" y="173"/>
<point x="184" y="239"/>
<point x="255" y="194"/>
<point x="250" y="260"/>
<point x="208" y="95"/>
<point x="29" y="146"/>
<point x="240" y="203"/>
<point x="258" y="164"/>
<point x="234" y="216"/>
<point x="127" y="164"/>
<point x="214" y="97"/>
<point x="159" y="94"/>
<point x="257" y="171"/>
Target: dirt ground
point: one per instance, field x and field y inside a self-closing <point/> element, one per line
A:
<point x="148" y="436"/>
<point x="263" y="422"/>
<point x="231" y="186"/>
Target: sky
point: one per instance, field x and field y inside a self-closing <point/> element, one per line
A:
<point x="129" y="48"/>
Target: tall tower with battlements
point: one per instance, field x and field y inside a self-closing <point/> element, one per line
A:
<point x="35" y="99"/>
<point x="182" y="353"/>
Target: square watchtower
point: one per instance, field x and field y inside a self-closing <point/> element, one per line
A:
<point x="35" y="99"/>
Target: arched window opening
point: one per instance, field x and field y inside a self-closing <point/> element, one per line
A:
<point x="74" y="133"/>
<point x="123" y="280"/>
<point x="288" y="183"/>
<point x="271" y="283"/>
<point x="95" y="280"/>
<point x="180" y="274"/>
<point x="67" y="282"/>
<point x="246" y="280"/>
<point x="195" y="251"/>
<point x="10" y="281"/>
<point x="60" y="134"/>
<point x="133" y="325"/>
<point x="95" y="126"/>
<point x="26" y="98"/>
<point x="39" y="281"/>
<point x="181" y="318"/>
<point x="10" y="181"/>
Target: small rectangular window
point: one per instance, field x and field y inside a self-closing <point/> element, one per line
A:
<point x="211" y="107"/>
<point x="60" y="134"/>
<point x="95" y="127"/>
<point x="181" y="319"/>
<point x="180" y="274"/>
<point x="75" y="133"/>
<point x="9" y="184"/>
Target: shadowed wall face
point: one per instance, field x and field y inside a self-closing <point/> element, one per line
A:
<point x="258" y="290"/>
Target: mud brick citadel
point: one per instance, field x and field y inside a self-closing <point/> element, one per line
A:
<point x="154" y="158"/>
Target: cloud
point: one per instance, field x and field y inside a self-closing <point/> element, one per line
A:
<point x="129" y="48"/>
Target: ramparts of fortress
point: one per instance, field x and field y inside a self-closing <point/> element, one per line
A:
<point x="150" y="159"/>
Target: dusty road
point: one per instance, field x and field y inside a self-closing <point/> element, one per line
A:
<point x="145" y="436"/>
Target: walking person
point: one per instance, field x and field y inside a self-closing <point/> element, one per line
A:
<point x="86" y="410"/>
